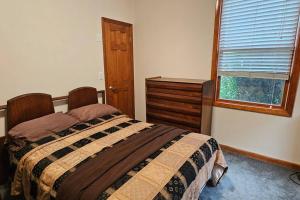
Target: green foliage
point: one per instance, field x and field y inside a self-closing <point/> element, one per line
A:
<point x="228" y="88"/>
<point x="258" y="90"/>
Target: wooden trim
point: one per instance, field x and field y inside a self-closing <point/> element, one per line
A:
<point x="105" y="55"/>
<point x="215" y="53"/>
<point x="132" y="69"/>
<point x="252" y="107"/>
<point x="295" y="74"/>
<point x="290" y="89"/>
<point x="266" y="159"/>
<point x="63" y="98"/>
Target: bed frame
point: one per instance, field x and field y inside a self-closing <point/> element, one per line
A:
<point x="34" y="105"/>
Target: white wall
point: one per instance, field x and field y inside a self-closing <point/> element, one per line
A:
<point x="174" y="38"/>
<point x="51" y="45"/>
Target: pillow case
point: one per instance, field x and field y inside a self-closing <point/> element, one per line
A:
<point x="38" y="128"/>
<point x="92" y="111"/>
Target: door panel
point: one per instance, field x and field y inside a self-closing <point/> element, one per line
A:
<point x="118" y="59"/>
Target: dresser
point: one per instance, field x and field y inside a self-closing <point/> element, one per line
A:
<point x="184" y="103"/>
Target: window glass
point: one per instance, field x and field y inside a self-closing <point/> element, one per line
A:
<point x="257" y="90"/>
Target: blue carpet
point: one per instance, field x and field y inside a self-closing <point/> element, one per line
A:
<point x="249" y="179"/>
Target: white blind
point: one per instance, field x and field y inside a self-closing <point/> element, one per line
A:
<point x="257" y="38"/>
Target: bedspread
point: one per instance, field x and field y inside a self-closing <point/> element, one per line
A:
<point x="115" y="157"/>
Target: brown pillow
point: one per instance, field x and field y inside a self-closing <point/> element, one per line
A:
<point x="38" y="128"/>
<point x="92" y="111"/>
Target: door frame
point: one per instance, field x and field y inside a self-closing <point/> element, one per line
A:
<point x="103" y="20"/>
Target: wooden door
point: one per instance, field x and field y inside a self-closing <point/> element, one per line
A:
<point x="118" y="64"/>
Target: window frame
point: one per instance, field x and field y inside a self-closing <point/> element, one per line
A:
<point x="290" y="88"/>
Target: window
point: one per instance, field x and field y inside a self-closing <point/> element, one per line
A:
<point x="256" y="55"/>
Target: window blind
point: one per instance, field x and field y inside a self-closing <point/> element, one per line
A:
<point x="257" y="38"/>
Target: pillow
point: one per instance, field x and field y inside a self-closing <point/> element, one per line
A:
<point x="92" y="111"/>
<point x="38" y="128"/>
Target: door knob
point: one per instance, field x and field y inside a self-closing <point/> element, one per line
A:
<point x="112" y="88"/>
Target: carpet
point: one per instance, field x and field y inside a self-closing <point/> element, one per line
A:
<point x="249" y="179"/>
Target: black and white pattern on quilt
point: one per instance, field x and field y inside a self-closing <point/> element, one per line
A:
<point x="175" y="188"/>
<point x="42" y="164"/>
<point x="187" y="172"/>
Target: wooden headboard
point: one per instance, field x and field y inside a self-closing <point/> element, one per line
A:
<point x="27" y="107"/>
<point x="82" y="96"/>
<point x="31" y="106"/>
<point x="21" y="109"/>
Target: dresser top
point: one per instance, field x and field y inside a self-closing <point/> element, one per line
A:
<point x="177" y="80"/>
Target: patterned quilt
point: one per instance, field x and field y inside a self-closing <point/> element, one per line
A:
<point x="115" y="157"/>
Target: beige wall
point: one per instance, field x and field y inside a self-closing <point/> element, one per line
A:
<point x="52" y="45"/>
<point x="174" y="38"/>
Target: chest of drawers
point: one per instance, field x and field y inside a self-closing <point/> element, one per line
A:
<point x="184" y="103"/>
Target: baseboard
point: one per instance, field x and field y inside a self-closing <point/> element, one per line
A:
<point x="260" y="157"/>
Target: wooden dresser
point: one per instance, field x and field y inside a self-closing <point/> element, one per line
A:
<point x="184" y="103"/>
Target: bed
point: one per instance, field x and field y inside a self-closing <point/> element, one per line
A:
<point x="100" y="153"/>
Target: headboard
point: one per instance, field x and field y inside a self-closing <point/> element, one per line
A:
<point x="20" y="109"/>
<point x="82" y="96"/>
<point x="27" y="107"/>
<point x="31" y="106"/>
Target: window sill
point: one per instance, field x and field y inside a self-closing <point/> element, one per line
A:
<point x="252" y="107"/>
